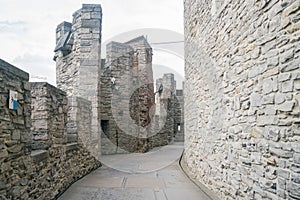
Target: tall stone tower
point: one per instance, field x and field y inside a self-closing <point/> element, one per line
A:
<point x="116" y="83"/>
<point x="127" y="96"/>
<point x="78" y="59"/>
<point x="142" y="70"/>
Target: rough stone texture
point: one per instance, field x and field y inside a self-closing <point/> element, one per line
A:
<point x="79" y="121"/>
<point x="168" y="117"/>
<point x="78" y="61"/>
<point x="53" y="151"/>
<point x="127" y="96"/>
<point x="14" y="150"/>
<point x="142" y="70"/>
<point x="49" y="113"/>
<point x="116" y="84"/>
<point x="242" y="97"/>
<point x="34" y="158"/>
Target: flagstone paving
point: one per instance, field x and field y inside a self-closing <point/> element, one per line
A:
<point x="155" y="175"/>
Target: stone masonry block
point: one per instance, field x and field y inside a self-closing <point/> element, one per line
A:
<point x="287" y="86"/>
<point x="286" y="106"/>
<point x="270" y="85"/>
<point x="255" y="100"/>
<point x="296" y="158"/>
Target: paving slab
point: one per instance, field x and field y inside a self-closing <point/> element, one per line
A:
<point x="99" y="182"/>
<point x="122" y="194"/>
<point x="144" y="182"/>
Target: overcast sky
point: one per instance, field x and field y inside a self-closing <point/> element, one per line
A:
<point x="27" y="28"/>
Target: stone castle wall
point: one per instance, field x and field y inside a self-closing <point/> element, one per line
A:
<point x="242" y="97"/>
<point x="34" y="149"/>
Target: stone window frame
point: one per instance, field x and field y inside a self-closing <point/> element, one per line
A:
<point x="217" y="6"/>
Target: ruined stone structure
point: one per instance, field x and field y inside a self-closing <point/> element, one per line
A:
<point x="35" y="148"/>
<point x="127" y="101"/>
<point x="127" y="96"/>
<point x="242" y="97"/>
<point x="126" y="71"/>
<point x="51" y="137"/>
<point x="168" y="113"/>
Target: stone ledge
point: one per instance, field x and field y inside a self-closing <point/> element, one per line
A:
<point x="14" y="70"/>
<point x="39" y="155"/>
<point x="71" y="146"/>
<point x="48" y="86"/>
<point x="201" y="186"/>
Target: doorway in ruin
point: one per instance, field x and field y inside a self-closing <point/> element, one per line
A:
<point x="105" y="127"/>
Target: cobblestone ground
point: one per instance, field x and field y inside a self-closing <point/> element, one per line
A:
<point x="155" y="175"/>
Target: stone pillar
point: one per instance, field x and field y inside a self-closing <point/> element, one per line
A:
<point x="79" y="121"/>
<point x="78" y="60"/>
<point x="167" y="101"/>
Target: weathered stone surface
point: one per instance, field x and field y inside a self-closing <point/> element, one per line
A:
<point x="297" y="84"/>
<point x="287" y="56"/>
<point x="283" y="173"/>
<point x="279" y="98"/>
<point x="284" y="77"/>
<point x="295" y="178"/>
<point x="296" y="158"/>
<point x="39" y="155"/>
<point x="3" y="153"/>
<point x="78" y="64"/>
<point x="260" y="64"/>
<point x="290" y="67"/>
<point x="286" y="106"/>
<point x="256" y="100"/>
<point x="270" y="85"/>
<point x="287" y="86"/>
<point x="294" y="189"/>
<point x="268" y="99"/>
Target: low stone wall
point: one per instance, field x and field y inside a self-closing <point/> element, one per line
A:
<point x="242" y="97"/>
<point x="37" y="162"/>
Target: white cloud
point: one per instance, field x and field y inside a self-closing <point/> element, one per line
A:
<point x="37" y="66"/>
<point x="27" y="28"/>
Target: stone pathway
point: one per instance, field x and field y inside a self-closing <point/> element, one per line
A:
<point x="152" y="176"/>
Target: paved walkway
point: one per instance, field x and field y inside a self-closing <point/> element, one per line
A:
<point x="152" y="176"/>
